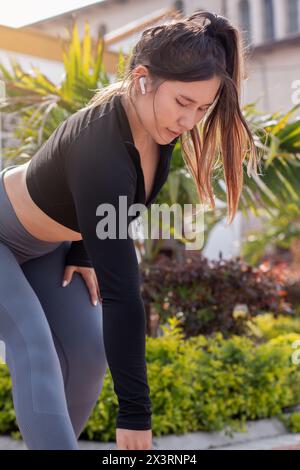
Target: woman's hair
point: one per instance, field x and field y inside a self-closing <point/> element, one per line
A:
<point x="188" y="49"/>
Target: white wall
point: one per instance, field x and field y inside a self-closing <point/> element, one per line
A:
<point x="2" y="352"/>
<point x="225" y="239"/>
<point x="271" y="76"/>
<point x="114" y="15"/>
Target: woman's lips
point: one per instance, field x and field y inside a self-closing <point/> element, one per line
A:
<point x="175" y="134"/>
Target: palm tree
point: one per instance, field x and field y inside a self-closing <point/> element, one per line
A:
<point x="275" y="194"/>
<point x="40" y="104"/>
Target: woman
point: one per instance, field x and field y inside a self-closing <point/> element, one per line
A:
<point x="58" y="344"/>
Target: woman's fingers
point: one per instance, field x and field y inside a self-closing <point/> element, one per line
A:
<point x="92" y="286"/>
<point x="68" y="273"/>
<point x="98" y="290"/>
<point x="90" y="278"/>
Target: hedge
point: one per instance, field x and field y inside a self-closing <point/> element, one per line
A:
<point x="196" y="384"/>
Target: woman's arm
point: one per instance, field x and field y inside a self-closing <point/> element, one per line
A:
<point x="77" y="255"/>
<point x="94" y="180"/>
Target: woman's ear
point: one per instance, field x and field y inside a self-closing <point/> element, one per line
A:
<point x="141" y="71"/>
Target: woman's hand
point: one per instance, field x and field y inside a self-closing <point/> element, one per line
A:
<point x="90" y="278"/>
<point x="129" y="439"/>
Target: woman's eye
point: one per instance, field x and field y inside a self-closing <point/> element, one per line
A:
<point x="180" y="104"/>
<point x="185" y="105"/>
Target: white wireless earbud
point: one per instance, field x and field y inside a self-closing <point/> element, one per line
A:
<point x="142" y="85"/>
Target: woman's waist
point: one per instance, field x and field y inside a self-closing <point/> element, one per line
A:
<point x="33" y="219"/>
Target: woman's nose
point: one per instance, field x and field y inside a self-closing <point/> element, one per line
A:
<point x="186" y="125"/>
<point x="189" y="121"/>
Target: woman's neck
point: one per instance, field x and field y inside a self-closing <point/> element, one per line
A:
<point x="141" y="137"/>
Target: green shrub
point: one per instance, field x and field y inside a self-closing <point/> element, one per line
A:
<point x="292" y="422"/>
<point x="197" y="384"/>
<point x="7" y="413"/>
<point x="271" y="327"/>
<point x="204" y="294"/>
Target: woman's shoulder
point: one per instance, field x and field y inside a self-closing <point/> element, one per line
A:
<point x="88" y="117"/>
<point x="94" y="136"/>
<point x="91" y="127"/>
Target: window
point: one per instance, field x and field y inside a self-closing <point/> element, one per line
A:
<point x="268" y="20"/>
<point x="244" y="19"/>
<point x="292" y="16"/>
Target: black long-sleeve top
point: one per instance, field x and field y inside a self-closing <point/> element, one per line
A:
<point x="91" y="159"/>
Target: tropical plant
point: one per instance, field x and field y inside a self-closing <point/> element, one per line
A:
<point x="42" y="105"/>
<point x="277" y="192"/>
<point x="278" y="143"/>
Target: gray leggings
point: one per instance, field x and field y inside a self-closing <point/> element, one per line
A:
<point x="52" y="334"/>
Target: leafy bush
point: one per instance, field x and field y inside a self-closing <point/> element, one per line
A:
<point x="197" y="384"/>
<point x="203" y="295"/>
<point x="270" y="327"/>
<point x="292" y="422"/>
<point x="7" y="413"/>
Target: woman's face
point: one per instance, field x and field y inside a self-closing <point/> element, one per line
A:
<point x="178" y="107"/>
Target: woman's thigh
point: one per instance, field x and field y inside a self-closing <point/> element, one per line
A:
<point x="30" y="350"/>
<point x="75" y="323"/>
